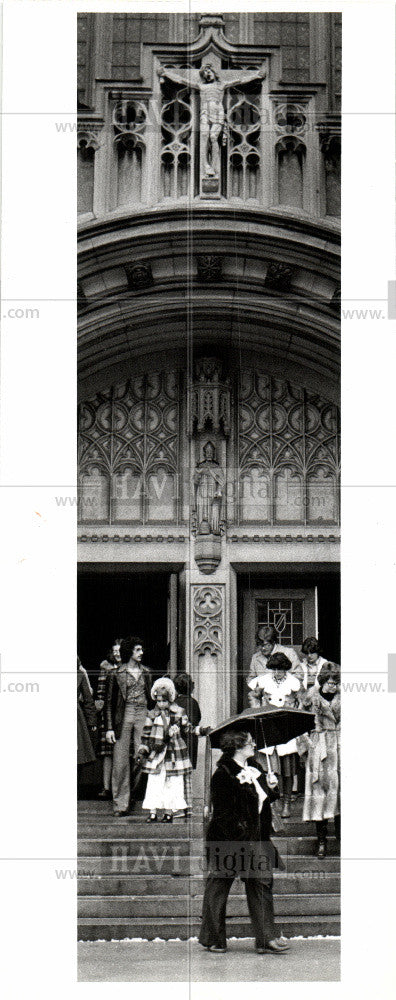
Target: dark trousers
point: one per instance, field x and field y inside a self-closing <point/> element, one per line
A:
<point x="260" y="903"/>
<point x="321" y="828"/>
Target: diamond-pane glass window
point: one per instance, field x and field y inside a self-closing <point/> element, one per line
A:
<point x="286" y="615"/>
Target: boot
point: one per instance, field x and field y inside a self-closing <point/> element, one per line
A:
<point x="300" y="779"/>
<point x="321" y="827"/>
<point x="287" y="788"/>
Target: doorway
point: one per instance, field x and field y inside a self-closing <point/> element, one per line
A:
<point x="115" y="601"/>
<point x="296" y="604"/>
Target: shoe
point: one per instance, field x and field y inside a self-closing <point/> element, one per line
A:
<point x="152" y="818"/>
<point x="322" y="850"/>
<point x="167" y="818"/>
<point x="276" y="947"/>
<point x="214" y="947"/>
<point x="104" y="794"/>
<point x="286" y="807"/>
<point x="120" y="812"/>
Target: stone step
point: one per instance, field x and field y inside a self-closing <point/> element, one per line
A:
<point x="183" y="906"/>
<point x="116" y="826"/>
<point x="119" y="929"/>
<point x="124" y="846"/>
<point x="121" y="827"/>
<point x="101" y="811"/>
<point x="100" y="806"/>
<point x="162" y="885"/>
<point x="172" y="839"/>
<point x="192" y="865"/>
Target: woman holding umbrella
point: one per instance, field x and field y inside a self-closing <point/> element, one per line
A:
<point x="239" y="845"/>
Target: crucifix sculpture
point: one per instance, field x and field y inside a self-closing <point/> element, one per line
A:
<point x="211" y="85"/>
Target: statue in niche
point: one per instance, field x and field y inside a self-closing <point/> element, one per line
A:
<point x="209" y="487"/>
<point x="211" y="86"/>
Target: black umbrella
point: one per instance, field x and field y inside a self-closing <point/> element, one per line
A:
<point x="268" y="725"/>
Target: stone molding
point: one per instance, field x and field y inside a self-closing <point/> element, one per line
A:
<point x="246" y="539"/>
<point x="133" y="539"/>
<point x="123" y="223"/>
<point x="86" y="537"/>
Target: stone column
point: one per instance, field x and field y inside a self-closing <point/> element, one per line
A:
<point x="209" y="652"/>
<point x="209" y="656"/>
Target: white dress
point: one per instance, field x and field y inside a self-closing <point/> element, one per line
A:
<point x="164" y="791"/>
<point x="276" y="693"/>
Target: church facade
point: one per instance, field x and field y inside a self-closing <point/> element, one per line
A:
<point x="209" y="328"/>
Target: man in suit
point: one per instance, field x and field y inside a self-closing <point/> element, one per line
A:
<point x="267" y="646"/>
<point x="127" y="700"/>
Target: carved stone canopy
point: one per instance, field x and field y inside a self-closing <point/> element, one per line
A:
<point x="210" y="399"/>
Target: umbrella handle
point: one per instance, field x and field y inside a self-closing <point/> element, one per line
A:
<point x="270" y="771"/>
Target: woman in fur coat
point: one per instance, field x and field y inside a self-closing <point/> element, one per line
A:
<point x="323" y="767"/>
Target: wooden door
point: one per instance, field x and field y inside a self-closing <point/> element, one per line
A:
<point x="172" y="623"/>
<point x="292" y="612"/>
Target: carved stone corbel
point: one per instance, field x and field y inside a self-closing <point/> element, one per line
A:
<point x="139" y="276"/>
<point x="279" y="276"/>
<point x="209" y="266"/>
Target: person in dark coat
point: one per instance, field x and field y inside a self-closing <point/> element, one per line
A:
<point x="107" y="666"/>
<point x="127" y="699"/>
<point x="239" y="845"/>
<point x="86" y="721"/>
<point x="184" y="685"/>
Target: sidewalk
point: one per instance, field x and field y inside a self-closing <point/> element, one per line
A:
<point x="309" y="960"/>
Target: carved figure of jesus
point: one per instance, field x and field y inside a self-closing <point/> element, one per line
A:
<point x="211" y="87"/>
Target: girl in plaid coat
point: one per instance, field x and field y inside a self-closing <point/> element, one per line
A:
<point x="164" y="751"/>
